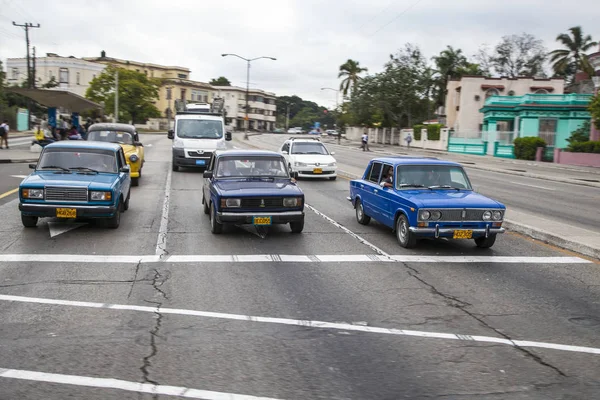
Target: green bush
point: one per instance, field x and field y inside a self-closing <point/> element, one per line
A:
<point x="417" y="131"/>
<point x="580" y="135"/>
<point x="526" y="147"/>
<point x="433" y="131"/>
<point x="585" y="147"/>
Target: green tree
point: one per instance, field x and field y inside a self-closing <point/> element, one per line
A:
<point x="350" y="71"/>
<point x="515" y="55"/>
<point x="137" y="93"/>
<point x="50" y="84"/>
<point x="2" y="92"/>
<point x="220" y="81"/>
<point x="567" y="61"/>
<point x="594" y="108"/>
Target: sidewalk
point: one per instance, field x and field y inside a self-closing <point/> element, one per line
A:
<point x="586" y="176"/>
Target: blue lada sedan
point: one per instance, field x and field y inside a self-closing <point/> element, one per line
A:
<point x="425" y="198"/>
<point x="77" y="179"/>
<point x="246" y="187"/>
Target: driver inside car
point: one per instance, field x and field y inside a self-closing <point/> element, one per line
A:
<point x="387" y="181"/>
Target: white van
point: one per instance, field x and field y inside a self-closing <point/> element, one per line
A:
<point x="196" y="135"/>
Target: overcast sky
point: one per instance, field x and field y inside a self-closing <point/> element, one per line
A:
<point x="309" y="38"/>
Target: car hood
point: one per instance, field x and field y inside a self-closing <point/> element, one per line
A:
<point x="441" y="198"/>
<point x="129" y="149"/>
<point x="69" y="179"/>
<point x="200" y="144"/>
<point x="313" y="158"/>
<point x="249" y="187"/>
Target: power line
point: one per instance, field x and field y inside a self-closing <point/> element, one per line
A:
<point x="376" y="15"/>
<point x="396" y="17"/>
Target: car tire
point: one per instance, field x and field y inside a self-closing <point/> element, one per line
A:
<point x="332" y="178"/>
<point x="297" y="226"/>
<point x="115" y="220"/>
<point x="486" y="242"/>
<point x="405" y="237"/>
<point x="361" y="217"/>
<point x="215" y="226"/>
<point x="29" y="221"/>
<point x="206" y="209"/>
<point x="135" y="181"/>
<point x="126" y="204"/>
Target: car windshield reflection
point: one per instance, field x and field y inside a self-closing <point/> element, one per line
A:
<point x="244" y="167"/>
<point x="111" y="137"/>
<point x="78" y="160"/>
<point x="432" y="177"/>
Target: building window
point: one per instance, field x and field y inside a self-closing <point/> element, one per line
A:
<point x="183" y="93"/>
<point x="15" y="74"/>
<point x="182" y="76"/>
<point x="492" y="92"/>
<point x="541" y="91"/>
<point x="169" y="93"/>
<point x="547" y="130"/>
<point x="78" y="77"/>
<point x="64" y="75"/>
<point x="199" y="95"/>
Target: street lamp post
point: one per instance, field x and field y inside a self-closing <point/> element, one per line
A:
<point x="337" y="92"/>
<point x="287" y="115"/>
<point x="248" y="61"/>
<point x="594" y="132"/>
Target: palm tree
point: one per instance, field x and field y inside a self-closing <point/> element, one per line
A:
<point x="574" y="58"/>
<point x="350" y="70"/>
<point x="449" y="63"/>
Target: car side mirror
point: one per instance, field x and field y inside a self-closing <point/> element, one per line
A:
<point x="171" y="134"/>
<point x="208" y="174"/>
<point x="295" y="175"/>
<point x="125" y="169"/>
<point x="333" y="153"/>
<point x="138" y="144"/>
<point x="227" y="135"/>
<point x="32" y="166"/>
<point x="284" y="152"/>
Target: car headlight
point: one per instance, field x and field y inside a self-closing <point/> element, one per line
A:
<point x="332" y="164"/>
<point x="487" y="215"/>
<point x="424" y="215"/>
<point x="497" y="215"/>
<point x="231" y="203"/>
<point x="133" y="158"/>
<point x="292" y="201"/>
<point x="299" y="164"/>
<point x="33" y="193"/>
<point x="178" y="144"/>
<point x="435" y="215"/>
<point x="100" y="196"/>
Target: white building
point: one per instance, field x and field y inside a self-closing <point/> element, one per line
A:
<point x="467" y="95"/>
<point x="71" y="74"/>
<point x="261" y="107"/>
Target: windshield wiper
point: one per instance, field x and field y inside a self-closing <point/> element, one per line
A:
<point x="443" y="187"/>
<point x="410" y="185"/>
<point x="83" y="169"/>
<point x="55" y="167"/>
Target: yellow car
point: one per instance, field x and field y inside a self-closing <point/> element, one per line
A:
<point x="128" y="138"/>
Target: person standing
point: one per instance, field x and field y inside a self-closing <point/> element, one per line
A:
<point x="4" y="129"/>
<point x="408" y="140"/>
<point x="365" y="141"/>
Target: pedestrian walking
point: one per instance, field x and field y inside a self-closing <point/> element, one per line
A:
<point x="408" y="140"/>
<point x="4" y="129"/>
<point x="365" y="141"/>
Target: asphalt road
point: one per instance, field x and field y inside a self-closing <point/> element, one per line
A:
<point x="572" y="204"/>
<point x="320" y="315"/>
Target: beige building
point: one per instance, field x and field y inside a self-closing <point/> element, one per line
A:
<point x="261" y="107"/>
<point x="466" y="96"/>
<point x="72" y="74"/>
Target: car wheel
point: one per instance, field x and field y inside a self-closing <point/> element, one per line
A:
<point x="297" y="227"/>
<point x="215" y="226"/>
<point x="406" y="238"/>
<point x="28" y="221"/>
<point x="135" y="181"/>
<point x="115" y="220"/>
<point x="126" y="204"/>
<point x="332" y="178"/>
<point x="361" y="217"/>
<point x="206" y="209"/>
<point x="486" y="242"/>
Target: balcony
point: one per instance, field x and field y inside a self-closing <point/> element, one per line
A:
<point x="541" y="99"/>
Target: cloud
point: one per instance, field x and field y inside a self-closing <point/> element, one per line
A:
<point x="309" y="38"/>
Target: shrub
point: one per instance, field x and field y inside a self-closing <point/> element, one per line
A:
<point x="433" y="131"/>
<point x="526" y="147"/>
<point x="585" y="147"/>
<point x="580" y="135"/>
<point x="417" y="131"/>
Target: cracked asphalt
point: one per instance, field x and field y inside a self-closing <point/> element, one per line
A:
<point x="541" y="302"/>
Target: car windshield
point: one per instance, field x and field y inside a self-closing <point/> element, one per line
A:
<point x="309" y="148"/>
<point x="199" y="129"/>
<point x="67" y="159"/>
<point x="432" y="177"/>
<point x="111" y="136"/>
<point x="246" y="167"/>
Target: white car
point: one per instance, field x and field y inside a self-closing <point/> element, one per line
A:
<point x="310" y="158"/>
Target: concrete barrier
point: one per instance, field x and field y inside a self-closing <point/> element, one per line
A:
<point x="581" y="159"/>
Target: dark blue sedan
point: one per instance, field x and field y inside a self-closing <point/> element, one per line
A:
<point x="425" y="198"/>
<point x="251" y="187"/>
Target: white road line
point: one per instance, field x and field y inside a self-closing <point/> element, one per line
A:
<point x="305" y="323"/>
<point x="161" y="242"/>
<point x="284" y="258"/>
<point x="110" y="383"/>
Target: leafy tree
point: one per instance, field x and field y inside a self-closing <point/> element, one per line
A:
<point x="2" y="93"/>
<point x="580" y="135"/>
<point x="137" y="93"/>
<point x="567" y="61"/>
<point x="350" y="71"/>
<point x="220" y="81"/>
<point x="594" y="108"/>
<point x="515" y="55"/>
<point x="50" y="84"/>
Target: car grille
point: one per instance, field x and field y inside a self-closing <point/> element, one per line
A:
<point x="197" y="154"/>
<point x="456" y="215"/>
<point x="262" y="202"/>
<point x="313" y="173"/>
<point x="66" y="193"/>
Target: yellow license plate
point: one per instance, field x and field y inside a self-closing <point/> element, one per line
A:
<point x="317" y="171"/>
<point x="463" y="234"/>
<point x="262" y="220"/>
<point x="66" y="213"/>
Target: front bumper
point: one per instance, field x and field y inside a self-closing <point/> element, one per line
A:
<point x="83" y="211"/>
<point x="308" y="172"/>
<point x="243" y="218"/>
<point x="180" y="159"/>
<point x="449" y="232"/>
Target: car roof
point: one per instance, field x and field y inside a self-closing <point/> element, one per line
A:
<point x="83" y="144"/>
<point x="112" y="127"/>
<point x="308" y="139"/>
<point x="251" y="153"/>
<point x="408" y="160"/>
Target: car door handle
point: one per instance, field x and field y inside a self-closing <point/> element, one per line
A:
<point x="362" y="186"/>
<point x="375" y="190"/>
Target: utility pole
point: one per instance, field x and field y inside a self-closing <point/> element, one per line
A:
<point x="287" y="116"/>
<point x="117" y="95"/>
<point x="26" y="26"/>
<point x="33" y="72"/>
